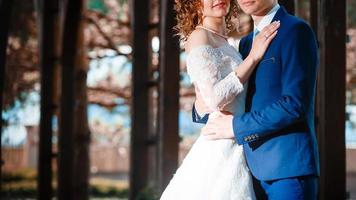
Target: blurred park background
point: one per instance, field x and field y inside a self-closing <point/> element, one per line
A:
<point x="89" y="99"/>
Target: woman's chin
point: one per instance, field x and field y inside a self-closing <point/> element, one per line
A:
<point x="220" y="14"/>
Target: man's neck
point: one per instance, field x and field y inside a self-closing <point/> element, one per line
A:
<point x="259" y="16"/>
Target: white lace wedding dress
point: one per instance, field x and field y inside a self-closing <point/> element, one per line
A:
<point x="214" y="170"/>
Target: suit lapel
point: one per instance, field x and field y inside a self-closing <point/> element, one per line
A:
<point x="281" y="12"/>
<point x="248" y="44"/>
<point x="252" y="80"/>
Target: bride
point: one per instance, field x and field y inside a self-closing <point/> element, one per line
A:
<point x="215" y="169"/>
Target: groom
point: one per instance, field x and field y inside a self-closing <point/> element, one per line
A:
<point x="277" y="130"/>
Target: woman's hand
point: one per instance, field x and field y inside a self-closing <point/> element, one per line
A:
<point x="262" y="41"/>
<point x="259" y="47"/>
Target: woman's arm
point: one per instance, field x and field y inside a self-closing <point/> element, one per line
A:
<point x="213" y="91"/>
<point x="201" y="107"/>
<point x="204" y="65"/>
<point x="259" y="47"/>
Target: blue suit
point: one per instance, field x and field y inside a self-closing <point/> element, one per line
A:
<point x="277" y="130"/>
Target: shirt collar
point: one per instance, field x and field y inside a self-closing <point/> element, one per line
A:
<point x="267" y="19"/>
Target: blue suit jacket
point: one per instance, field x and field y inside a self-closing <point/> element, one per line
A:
<point x="277" y="130"/>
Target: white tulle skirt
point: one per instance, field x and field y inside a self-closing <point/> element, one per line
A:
<point x="212" y="170"/>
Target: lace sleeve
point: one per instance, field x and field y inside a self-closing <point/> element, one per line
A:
<point x="204" y="65"/>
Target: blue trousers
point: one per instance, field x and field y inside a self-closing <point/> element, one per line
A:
<point x="296" y="188"/>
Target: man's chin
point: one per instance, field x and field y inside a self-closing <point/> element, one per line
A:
<point x="249" y="11"/>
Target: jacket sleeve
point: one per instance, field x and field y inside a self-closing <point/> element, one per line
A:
<point x="199" y="119"/>
<point x="299" y="61"/>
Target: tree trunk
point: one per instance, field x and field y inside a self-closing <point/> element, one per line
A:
<point x="331" y="98"/>
<point x="48" y="41"/>
<point x="70" y="51"/>
<point x="81" y="133"/>
<point x="169" y="96"/>
<point x="5" y="13"/>
<point x="139" y="149"/>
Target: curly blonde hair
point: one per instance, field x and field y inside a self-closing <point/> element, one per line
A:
<point x="189" y="15"/>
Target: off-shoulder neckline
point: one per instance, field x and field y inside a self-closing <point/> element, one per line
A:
<point x="208" y="46"/>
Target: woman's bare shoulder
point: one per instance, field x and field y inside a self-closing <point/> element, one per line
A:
<point x="197" y="38"/>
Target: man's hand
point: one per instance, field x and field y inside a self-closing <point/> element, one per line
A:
<point x="219" y="126"/>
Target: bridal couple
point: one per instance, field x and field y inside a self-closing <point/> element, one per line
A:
<point x="257" y="104"/>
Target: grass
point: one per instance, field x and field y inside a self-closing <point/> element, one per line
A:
<point x="22" y="183"/>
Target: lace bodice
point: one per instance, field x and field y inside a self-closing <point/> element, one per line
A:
<point x="212" y="70"/>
